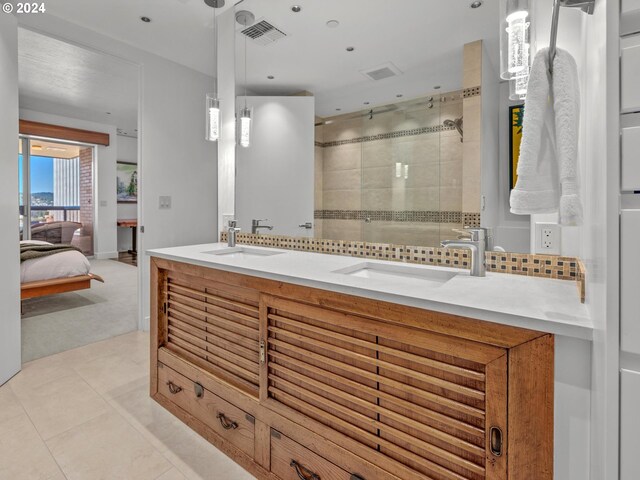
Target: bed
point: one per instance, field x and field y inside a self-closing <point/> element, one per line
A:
<point x="63" y="272"/>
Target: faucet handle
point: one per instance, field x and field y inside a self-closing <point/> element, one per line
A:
<point x="233" y="223"/>
<point x="476" y="233"/>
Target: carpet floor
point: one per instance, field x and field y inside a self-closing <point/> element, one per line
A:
<point x="61" y="322"/>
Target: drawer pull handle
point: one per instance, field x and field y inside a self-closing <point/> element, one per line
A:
<point x="299" y="470"/>
<point x="495" y="441"/>
<point x="199" y="390"/>
<point x="173" y="388"/>
<point x="226" y="424"/>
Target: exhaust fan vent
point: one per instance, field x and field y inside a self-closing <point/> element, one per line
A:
<point x="382" y="71"/>
<point x="264" y="33"/>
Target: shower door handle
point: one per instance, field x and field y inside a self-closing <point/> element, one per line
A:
<point x="307" y="225"/>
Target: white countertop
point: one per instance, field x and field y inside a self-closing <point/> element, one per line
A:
<point x="541" y="304"/>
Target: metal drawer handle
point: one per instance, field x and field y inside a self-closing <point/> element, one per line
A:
<point x="226" y="424"/>
<point x="173" y="388"/>
<point x="299" y="470"/>
<point x="495" y="441"/>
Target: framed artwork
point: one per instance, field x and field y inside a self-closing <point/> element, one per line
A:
<point x="516" y="115"/>
<point x="127" y="182"/>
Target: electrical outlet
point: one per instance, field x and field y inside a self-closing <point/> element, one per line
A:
<point x="548" y="238"/>
<point x="165" y="203"/>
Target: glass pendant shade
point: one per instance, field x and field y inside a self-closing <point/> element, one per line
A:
<point x="515" y="39"/>
<point x="518" y="87"/>
<point x="212" y="118"/>
<point x="245" y="128"/>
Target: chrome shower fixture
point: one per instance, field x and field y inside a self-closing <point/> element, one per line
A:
<point x="457" y="124"/>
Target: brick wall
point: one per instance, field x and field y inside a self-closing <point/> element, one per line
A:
<point x="86" y="199"/>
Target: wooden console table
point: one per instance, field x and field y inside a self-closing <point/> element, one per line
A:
<point x="133" y="225"/>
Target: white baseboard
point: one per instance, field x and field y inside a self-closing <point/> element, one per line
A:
<point x="105" y="255"/>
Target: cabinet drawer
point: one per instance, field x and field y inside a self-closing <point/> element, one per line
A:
<point x="630" y="282"/>
<point x="292" y="461"/>
<point x="630" y="73"/>
<point x="629" y="424"/>
<point x="226" y="420"/>
<point x="630" y="178"/>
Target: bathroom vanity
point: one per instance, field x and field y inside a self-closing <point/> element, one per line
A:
<point x="285" y="362"/>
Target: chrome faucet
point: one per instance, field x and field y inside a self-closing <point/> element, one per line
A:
<point x="232" y="232"/>
<point x="477" y="243"/>
<point x="255" y="226"/>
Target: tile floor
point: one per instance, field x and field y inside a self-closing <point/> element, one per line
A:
<point x="86" y="414"/>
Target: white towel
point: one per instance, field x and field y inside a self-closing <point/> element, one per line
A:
<point x="548" y="164"/>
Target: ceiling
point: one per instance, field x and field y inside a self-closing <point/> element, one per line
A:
<point x="60" y="78"/>
<point x="423" y="38"/>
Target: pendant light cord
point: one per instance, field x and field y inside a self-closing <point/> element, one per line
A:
<point x="215" y="53"/>
<point x="245" y="72"/>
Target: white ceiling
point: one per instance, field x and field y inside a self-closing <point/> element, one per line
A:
<point x="60" y="78"/>
<point x="423" y="38"/>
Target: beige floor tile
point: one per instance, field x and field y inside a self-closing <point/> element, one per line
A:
<point x="60" y="404"/>
<point x="115" y="374"/>
<point x="38" y="372"/>
<point x="153" y="421"/>
<point x="9" y="404"/>
<point x="173" y="474"/>
<point x="105" y="448"/>
<point x="197" y="459"/>
<point x="23" y="454"/>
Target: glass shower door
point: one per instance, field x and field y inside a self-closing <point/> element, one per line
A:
<point x="401" y="173"/>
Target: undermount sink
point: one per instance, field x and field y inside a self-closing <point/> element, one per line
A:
<point x="430" y="277"/>
<point x="244" y="252"/>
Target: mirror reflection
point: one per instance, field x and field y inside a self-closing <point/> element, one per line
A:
<point x="363" y="132"/>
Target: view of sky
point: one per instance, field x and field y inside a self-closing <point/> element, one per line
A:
<point x="41" y="174"/>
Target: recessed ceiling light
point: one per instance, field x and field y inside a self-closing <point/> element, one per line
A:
<point x="350" y="49"/>
<point x="108" y="113"/>
<point x="296" y="9"/>
<point x="437" y="87"/>
<point x="476" y="4"/>
<point x="333" y="24"/>
<point x="338" y="109"/>
<point x="399" y="95"/>
<point x="145" y="19"/>
<point x="271" y="77"/>
<point x="367" y="103"/>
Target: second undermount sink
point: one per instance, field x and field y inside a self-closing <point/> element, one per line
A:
<point x="244" y="252"/>
<point x="429" y="277"/>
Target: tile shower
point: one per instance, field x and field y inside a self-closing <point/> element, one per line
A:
<point x="394" y="174"/>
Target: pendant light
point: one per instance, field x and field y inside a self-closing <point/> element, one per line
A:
<point x="245" y="18"/>
<point x="516" y="46"/>
<point x="212" y="111"/>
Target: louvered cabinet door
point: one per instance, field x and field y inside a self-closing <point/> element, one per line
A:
<point x="215" y="327"/>
<point x="420" y="405"/>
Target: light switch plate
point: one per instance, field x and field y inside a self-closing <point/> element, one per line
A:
<point x="165" y="203"/>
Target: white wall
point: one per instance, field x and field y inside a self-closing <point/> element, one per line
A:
<point x="175" y="159"/>
<point x="104" y="179"/>
<point x="127" y="152"/>
<point x="275" y="175"/>
<point x="9" y="235"/>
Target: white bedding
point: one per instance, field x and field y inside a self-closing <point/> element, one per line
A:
<point x="60" y="265"/>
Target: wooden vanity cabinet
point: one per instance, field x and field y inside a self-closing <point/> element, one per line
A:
<point x="300" y="383"/>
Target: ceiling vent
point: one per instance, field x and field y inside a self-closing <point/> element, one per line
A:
<point x="381" y="72"/>
<point x="264" y="33"/>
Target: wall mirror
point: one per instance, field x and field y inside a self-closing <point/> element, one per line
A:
<point x="375" y="123"/>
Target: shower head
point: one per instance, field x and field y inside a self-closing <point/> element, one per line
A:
<point x="457" y="124"/>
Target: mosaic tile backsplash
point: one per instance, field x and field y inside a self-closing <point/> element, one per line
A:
<point x="546" y="266"/>
<point x="419" y="216"/>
